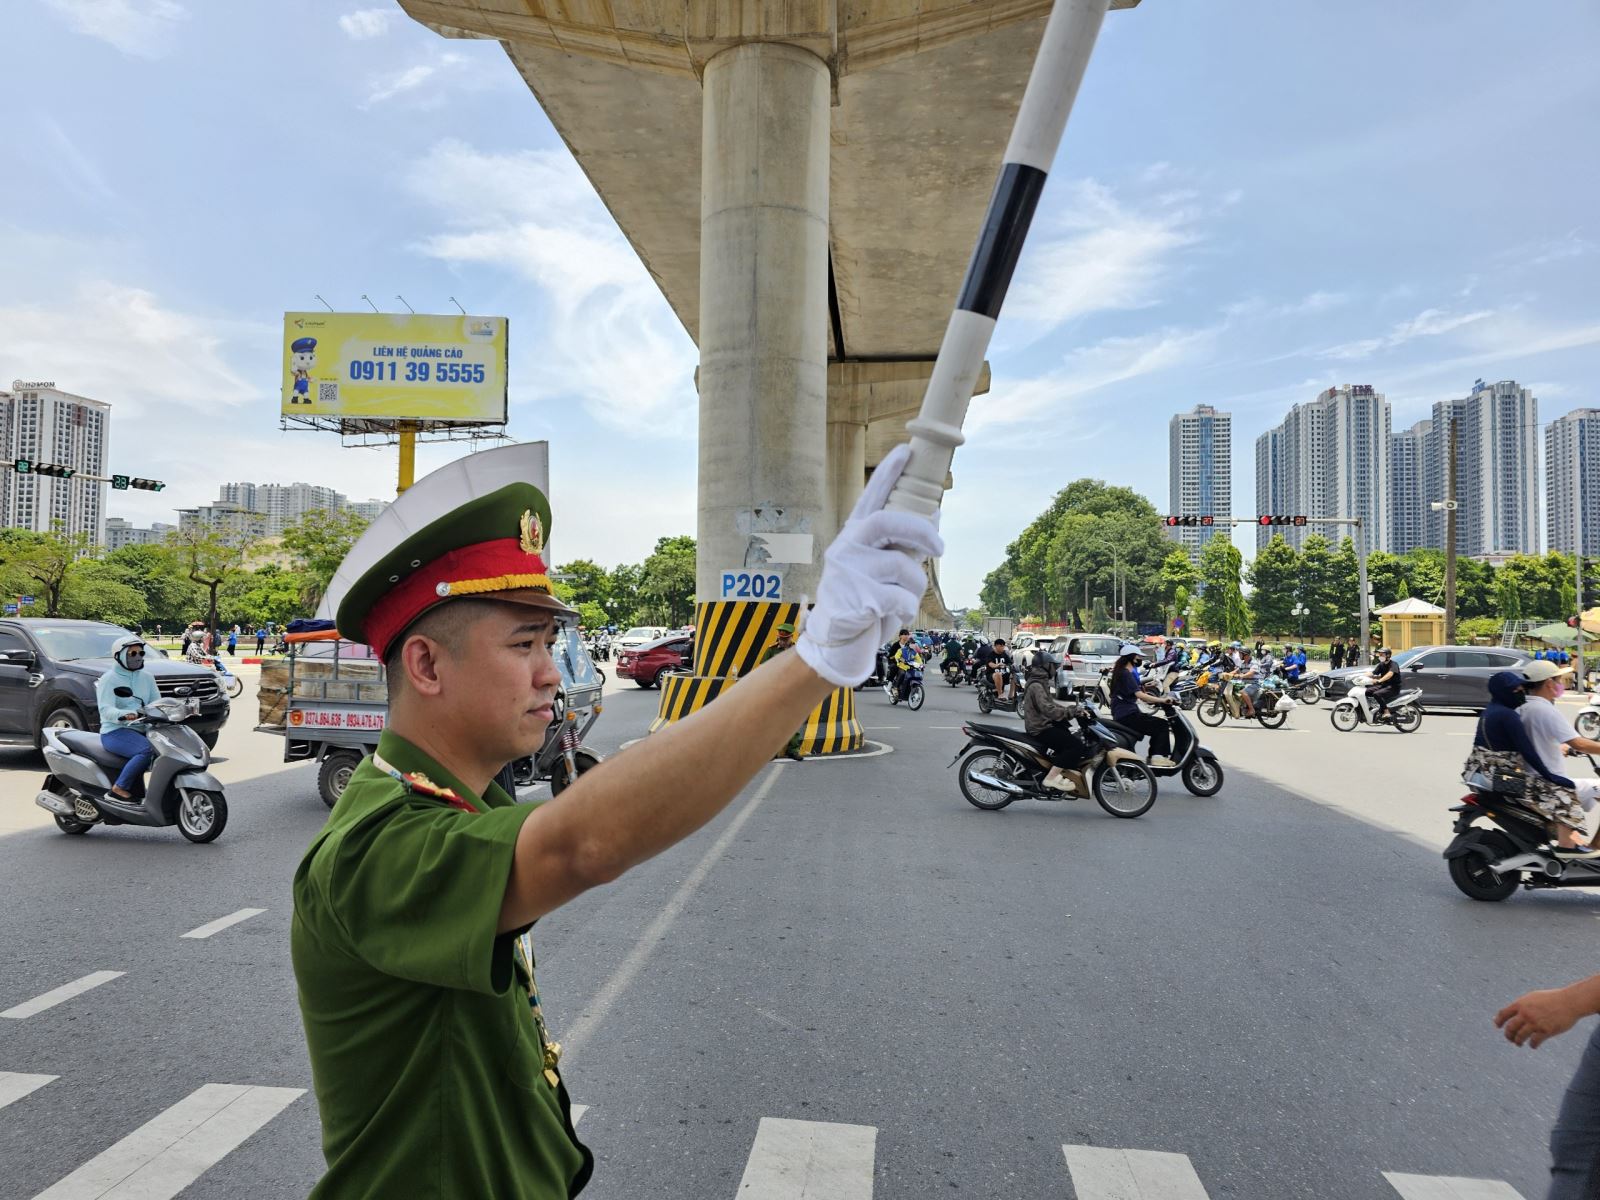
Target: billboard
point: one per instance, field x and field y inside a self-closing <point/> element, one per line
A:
<point x="394" y="366"/>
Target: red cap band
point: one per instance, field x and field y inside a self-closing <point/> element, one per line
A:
<point x="499" y="565"/>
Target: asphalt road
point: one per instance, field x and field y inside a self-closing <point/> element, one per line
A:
<point x="1279" y="984"/>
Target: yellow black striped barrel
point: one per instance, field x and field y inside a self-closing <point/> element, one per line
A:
<point x="730" y="637"/>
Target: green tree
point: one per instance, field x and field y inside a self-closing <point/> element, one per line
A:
<point x="1222" y="606"/>
<point x="270" y="593"/>
<point x="1274" y="580"/>
<point x="318" y="543"/>
<point x="624" y="593"/>
<point x="668" y="579"/>
<point x="1507" y="598"/>
<point x="1387" y="574"/>
<point x="1318" y="586"/>
<point x="592" y="615"/>
<point x="40" y="563"/>
<point x="153" y="571"/>
<point x="209" y="557"/>
<point x="94" y="591"/>
<point x="1346" y="589"/>
<point x="586" y="578"/>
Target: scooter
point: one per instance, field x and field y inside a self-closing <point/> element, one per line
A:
<point x="1003" y="764"/>
<point x="178" y="790"/>
<point x="1588" y="721"/>
<point x="1198" y="766"/>
<point x="989" y="700"/>
<point x="231" y="683"/>
<point x="1307" y="689"/>
<point x="1353" y="709"/>
<point x="1515" y="850"/>
<point x="954" y="673"/>
<point x="1271" y="706"/>
<point x="914" y="693"/>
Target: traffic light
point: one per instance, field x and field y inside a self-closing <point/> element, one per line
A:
<point x="1206" y="520"/>
<point x="54" y="470"/>
<point x="1572" y="622"/>
<point x="1279" y="519"/>
<point x="146" y="485"/>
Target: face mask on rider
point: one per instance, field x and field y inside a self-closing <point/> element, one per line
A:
<point x="1560" y="687"/>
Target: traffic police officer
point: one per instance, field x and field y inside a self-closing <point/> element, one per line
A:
<point x="434" y="1071"/>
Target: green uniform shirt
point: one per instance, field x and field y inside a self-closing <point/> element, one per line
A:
<point x="424" y="1053"/>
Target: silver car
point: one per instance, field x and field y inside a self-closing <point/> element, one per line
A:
<point x="1083" y="657"/>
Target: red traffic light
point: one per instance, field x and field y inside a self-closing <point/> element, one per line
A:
<point x="1171" y="521"/>
<point x="1572" y="622"/>
<point x="1265" y="521"/>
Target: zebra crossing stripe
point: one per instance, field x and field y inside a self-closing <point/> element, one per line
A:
<point x="221" y="923"/>
<point x="809" y="1160"/>
<point x="168" y="1153"/>
<point x="14" y="1085"/>
<point x="1446" y="1187"/>
<point x="59" y="995"/>
<point x="577" y="1112"/>
<point x="1099" y="1173"/>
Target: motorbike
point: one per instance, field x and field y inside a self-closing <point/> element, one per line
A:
<point x="1405" y="714"/>
<point x="1588" y="721"/>
<point x="955" y="673"/>
<point x="231" y="683"/>
<point x="914" y="693"/>
<point x="1271" y="706"/>
<point x="178" y="789"/>
<point x="989" y="700"/>
<point x="1307" y="690"/>
<point x="1514" y="850"/>
<point x="1197" y="766"/>
<point x="1003" y="764"/>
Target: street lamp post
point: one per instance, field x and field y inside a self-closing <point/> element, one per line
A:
<point x="1301" y="611"/>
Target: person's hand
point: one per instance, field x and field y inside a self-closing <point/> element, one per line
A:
<point x="1534" y="1019"/>
<point x="872" y="581"/>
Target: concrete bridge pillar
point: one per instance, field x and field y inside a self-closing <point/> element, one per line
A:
<point x="763" y="311"/>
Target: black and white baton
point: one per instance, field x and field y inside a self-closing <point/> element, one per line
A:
<point x="1063" y="56"/>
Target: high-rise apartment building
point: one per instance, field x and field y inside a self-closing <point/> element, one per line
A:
<point x="1329" y="458"/>
<point x="1572" y="467"/>
<point x="1200" y="473"/>
<point x="282" y="504"/>
<point x="228" y="520"/>
<point x="120" y="533"/>
<point x="1408" y="488"/>
<point x="41" y="423"/>
<point x="1497" y="470"/>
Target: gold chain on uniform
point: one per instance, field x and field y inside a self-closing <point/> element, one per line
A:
<point x="552" y="1050"/>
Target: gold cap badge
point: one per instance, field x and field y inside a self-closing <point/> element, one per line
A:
<point x="532" y="534"/>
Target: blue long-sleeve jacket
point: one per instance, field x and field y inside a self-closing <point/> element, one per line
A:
<point x="112" y="706"/>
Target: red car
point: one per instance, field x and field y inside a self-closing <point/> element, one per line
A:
<point x="644" y="665"/>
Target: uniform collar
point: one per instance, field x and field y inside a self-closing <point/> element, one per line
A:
<point x="406" y="758"/>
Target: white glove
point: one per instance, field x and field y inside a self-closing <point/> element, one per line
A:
<point x="872" y="581"/>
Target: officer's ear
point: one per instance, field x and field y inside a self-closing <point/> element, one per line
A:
<point x="416" y="666"/>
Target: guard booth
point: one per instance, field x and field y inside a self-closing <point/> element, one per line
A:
<point x="1412" y="622"/>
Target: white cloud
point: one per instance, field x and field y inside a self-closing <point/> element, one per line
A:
<point x="1430" y="322"/>
<point x="410" y="79"/>
<point x="1098" y="254"/>
<point x="611" y="338"/>
<point x="1086" y="370"/>
<point x="139" y="27"/>
<point x="367" y="23"/>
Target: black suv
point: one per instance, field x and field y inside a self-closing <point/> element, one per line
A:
<point x="48" y="669"/>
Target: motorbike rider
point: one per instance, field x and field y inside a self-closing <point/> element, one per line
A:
<point x="121" y="726"/>
<point x="1047" y="719"/>
<point x="1246" y="681"/>
<point x="952" y="657"/>
<point x="1553" y="735"/>
<point x="904" y="658"/>
<point x="1504" y="731"/>
<point x="993" y="662"/>
<point x="1385" y="685"/>
<point x="1127" y="689"/>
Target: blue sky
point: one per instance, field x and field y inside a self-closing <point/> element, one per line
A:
<point x="1255" y="200"/>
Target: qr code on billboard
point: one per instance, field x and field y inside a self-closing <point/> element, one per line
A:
<point x="327" y="393"/>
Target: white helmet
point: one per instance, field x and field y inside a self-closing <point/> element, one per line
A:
<point x="121" y="646"/>
<point x="1127" y="648"/>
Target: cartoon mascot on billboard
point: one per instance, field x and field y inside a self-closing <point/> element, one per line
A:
<point x="303" y="353"/>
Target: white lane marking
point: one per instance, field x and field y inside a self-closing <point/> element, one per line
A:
<point x="169" y="1152"/>
<point x="59" y="995"/>
<point x="14" y="1085"/>
<point x="1447" y="1187"/>
<point x="1099" y="1173"/>
<point x="855" y="756"/>
<point x="882" y="728"/>
<point x="809" y="1160"/>
<point x="221" y="923"/>
<point x="577" y="1112"/>
<point x="600" y="1007"/>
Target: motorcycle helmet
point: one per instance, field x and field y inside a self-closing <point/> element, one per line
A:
<point x="128" y="653"/>
<point x="1044" y="660"/>
<point x="1385" y="652"/>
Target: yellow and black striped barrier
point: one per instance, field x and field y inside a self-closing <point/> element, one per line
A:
<point x="729" y="639"/>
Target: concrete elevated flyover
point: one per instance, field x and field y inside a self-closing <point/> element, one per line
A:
<point x="805" y="180"/>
